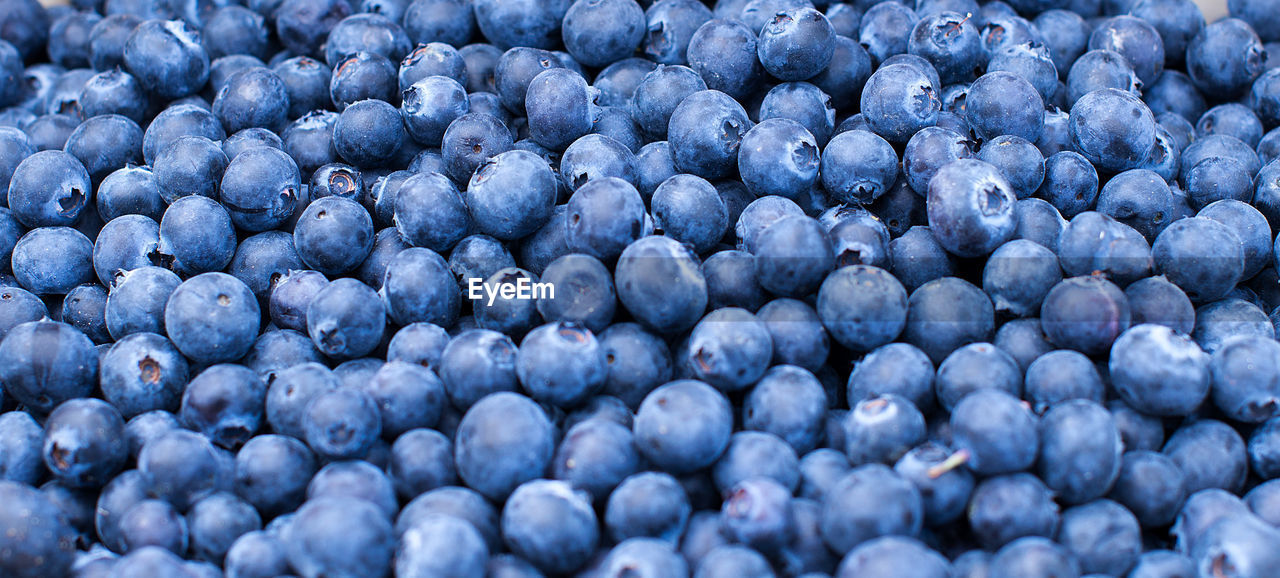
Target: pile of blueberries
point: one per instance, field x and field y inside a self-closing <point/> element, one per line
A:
<point x="641" y="289"/>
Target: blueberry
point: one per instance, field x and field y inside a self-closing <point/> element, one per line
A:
<point x="944" y="486"/>
<point x="303" y="25"/>
<point x="561" y="364"/>
<point x="312" y="141"/>
<point x="1158" y="371"/>
<point x="1079" y="450"/>
<point x="660" y="285"/>
<point x="340" y="536"/>
<point x="419" y="551"/>
<point x="272" y="472"/>
<point x="1070" y="183"/>
<point x="938" y="324"/>
<point x="222" y="69"/>
<point x="793" y="255"/>
<point x="1002" y="103"/>
<point x="1060" y="376"/>
<point x="256" y="553"/>
<point x="602" y="32"/>
<point x="255" y="97"/>
<point x="637" y="362"/>
<point x="970" y="208"/>
<point x="1236" y="543"/>
<point x="592" y="302"/>
<point x="143" y="372"/>
<point x="1094" y="242"/>
<point x="445" y="20"/>
<point x="725" y="52"/>
<point x="477" y="363"/>
<point x="368" y="133"/>
<point x="49" y="188"/>
<point x="899" y="100"/>
<point x="346" y="319"/>
<point x="290" y="297"/>
<point x="1210" y="454"/>
<point x="925" y="154"/>
<point x="235" y="30"/>
<point x="504" y="215"/>
<point x="848" y="71"/>
<point x="670" y="27"/>
<point x="871" y="501"/>
<point x="757" y="513"/>
<point x="885" y="30"/>
<point x="342" y="424"/>
<point x="333" y="235"/>
<point x="1112" y="128"/>
<point x="368" y="32"/>
<point x="216" y="522"/>
<point x="260" y="188"/>
<point x="803" y="103"/>
<point x="688" y="209"/>
<point x="796" y="44"/>
<point x="508" y="311"/>
<point x="973" y="367"/>
<point x="247" y="138"/>
<point x="212" y="317"/>
<point x="520" y="23"/>
<point x="1034" y="554"/>
<point x="430" y="105"/>
<point x="669" y="439"/>
<point x="42" y="541"/>
<point x="354" y="479"/>
<point x="512" y="426"/>
<point x="1200" y="511"/>
<point x="278" y="349"/>
<point x="890" y="553"/>
<point x="45" y="363"/>
<point x="167" y="58"/>
<point x="1251" y="356"/>
<point x="1005" y="446"/>
<point x="1019" y="161"/>
<point x="1225" y="58"/>
<point x="418" y="286"/>
<point x="84" y="444"/>
<point x="1207" y="267"/>
<point x="1019" y="275"/>
<point x="181" y="467"/>
<point x="1085" y="313"/>
<point x="514" y="70"/>
<point x="18" y="306"/>
<point x="733" y="560"/>
<point x="360" y="76"/>
<point x="225" y="403"/>
<point x="858" y="167"/>
<point x="950" y="42"/>
<point x="550" y="525"/>
<point x="113" y="92"/>
<point x="1005" y="508"/>
<point x="896" y="368"/>
<point x="757" y="455"/>
<point x="560" y="108"/>
<point x="705" y="131"/>
<point x="306" y="81"/>
<point x="1150" y="485"/>
<point x="596" y="156"/>
<point x="154" y="523"/>
<point x="189" y="165"/>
